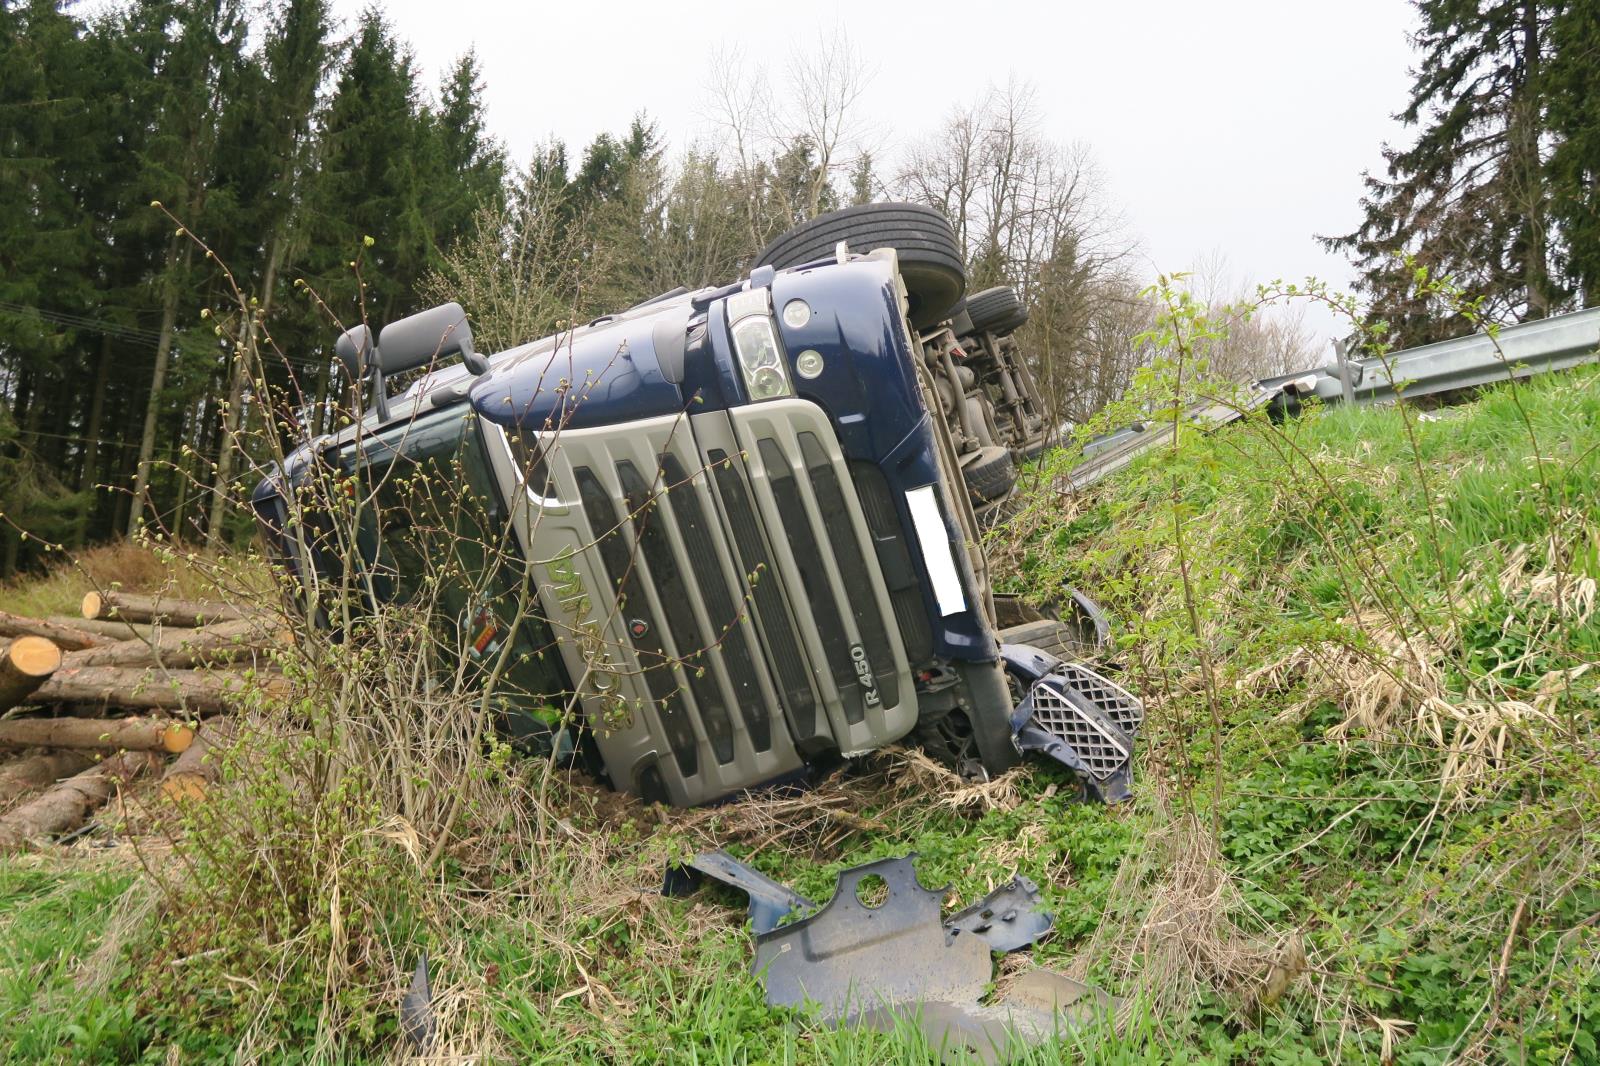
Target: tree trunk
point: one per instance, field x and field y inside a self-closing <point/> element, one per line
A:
<point x="92" y="429"/>
<point x="126" y="607"/>
<point x="69" y="804"/>
<point x="108" y="632"/>
<point x="25" y="664"/>
<point x="232" y="417"/>
<point x="198" y="767"/>
<point x="33" y="772"/>
<point x="152" y="411"/>
<point x="29" y="445"/>
<point x="186" y="483"/>
<point x="96" y="734"/>
<point x="185" y="691"/>
<point x="224" y="643"/>
<point x="66" y="634"/>
<point x="1527" y="123"/>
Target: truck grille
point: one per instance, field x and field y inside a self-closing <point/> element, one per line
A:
<point x="1099" y="743"/>
<point x="736" y="581"/>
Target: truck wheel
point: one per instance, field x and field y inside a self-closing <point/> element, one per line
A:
<point x="998" y="310"/>
<point x="1061" y="639"/>
<point x="990" y="475"/>
<point x="930" y="258"/>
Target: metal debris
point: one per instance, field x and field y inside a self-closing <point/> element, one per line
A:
<point x="1006" y="919"/>
<point x="896" y="962"/>
<point x="1071" y="725"/>
<point x="1041" y="1005"/>
<point x="417" y="1021"/>
<point x="1077" y="717"/>
<point x="850" y="956"/>
<point x="770" y="901"/>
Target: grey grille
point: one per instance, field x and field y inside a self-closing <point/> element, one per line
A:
<point x="1098" y="742"/>
<point x="1124" y="709"/>
<point x="714" y="532"/>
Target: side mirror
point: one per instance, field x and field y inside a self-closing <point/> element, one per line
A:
<point x="428" y="337"/>
<point x="357" y="349"/>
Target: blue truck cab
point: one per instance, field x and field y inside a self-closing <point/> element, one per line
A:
<point x="736" y="518"/>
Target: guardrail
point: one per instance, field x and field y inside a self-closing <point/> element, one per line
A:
<point x="1523" y="350"/>
<point x="1116" y="450"/>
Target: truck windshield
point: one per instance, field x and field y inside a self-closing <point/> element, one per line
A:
<point x="433" y="535"/>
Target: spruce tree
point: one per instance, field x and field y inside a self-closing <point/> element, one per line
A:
<point x="1574" y="86"/>
<point x="194" y="49"/>
<point x="374" y="151"/>
<point x="1470" y="198"/>
<point x="471" y="165"/>
<point x="266" y="150"/>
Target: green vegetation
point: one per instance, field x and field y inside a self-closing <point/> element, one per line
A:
<point x="1366" y="839"/>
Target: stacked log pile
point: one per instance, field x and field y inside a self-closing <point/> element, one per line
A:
<point x="139" y="686"/>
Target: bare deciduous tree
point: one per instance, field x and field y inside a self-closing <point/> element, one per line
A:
<point x="801" y="149"/>
<point x="1030" y="213"/>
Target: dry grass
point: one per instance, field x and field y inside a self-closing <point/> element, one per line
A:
<point x="1179" y="928"/>
<point x="912" y="777"/>
<point x="140" y="568"/>
<point x="1390" y="685"/>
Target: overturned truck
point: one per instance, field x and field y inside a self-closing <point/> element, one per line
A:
<point x="748" y="517"/>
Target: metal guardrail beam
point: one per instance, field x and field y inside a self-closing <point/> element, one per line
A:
<point x="1529" y="348"/>
<point x="1112" y="453"/>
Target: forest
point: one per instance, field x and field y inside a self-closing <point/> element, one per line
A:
<point x="335" y="184"/>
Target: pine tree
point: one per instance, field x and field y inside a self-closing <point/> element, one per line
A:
<point x="1470" y="198"/>
<point x="194" y="48"/>
<point x="374" y="151"/>
<point x="1574" y="86"/>
<point x="267" y="148"/>
<point x="472" y="165"/>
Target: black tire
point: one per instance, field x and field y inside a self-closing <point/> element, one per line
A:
<point x="1061" y="639"/>
<point x="998" y="310"/>
<point x="991" y="475"/>
<point x="930" y="258"/>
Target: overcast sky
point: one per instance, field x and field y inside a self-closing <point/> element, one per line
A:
<point x="1231" y="127"/>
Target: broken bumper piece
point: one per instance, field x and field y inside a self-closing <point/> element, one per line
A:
<point x="770" y="901"/>
<point x="893" y="962"/>
<point x="1077" y="717"/>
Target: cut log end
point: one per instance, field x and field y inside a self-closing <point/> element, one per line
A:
<point x="184" y="788"/>
<point x="176" y="738"/>
<point x="93" y="604"/>
<point x="33" y="657"/>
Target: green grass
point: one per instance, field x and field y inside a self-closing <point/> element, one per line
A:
<point x="1402" y="888"/>
<point x="51" y="915"/>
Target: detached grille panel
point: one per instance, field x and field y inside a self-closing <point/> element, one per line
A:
<point x="1123" y="708"/>
<point x="1099" y="743"/>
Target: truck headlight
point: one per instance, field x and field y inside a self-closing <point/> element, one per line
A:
<point x="755" y="343"/>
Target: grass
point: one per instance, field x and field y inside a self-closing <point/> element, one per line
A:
<point x="1365" y="836"/>
<point x="131" y="568"/>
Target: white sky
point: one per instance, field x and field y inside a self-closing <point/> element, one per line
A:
<point x="1237" y="128"/>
